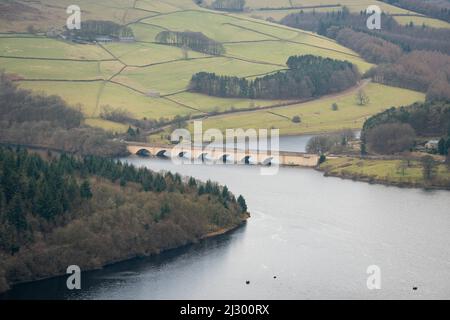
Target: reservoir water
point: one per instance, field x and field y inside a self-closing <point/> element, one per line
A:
<point x="308" y="237"/>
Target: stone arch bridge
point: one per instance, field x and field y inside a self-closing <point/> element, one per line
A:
<point x="222" y="155"/>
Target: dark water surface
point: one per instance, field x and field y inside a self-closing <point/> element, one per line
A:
<point x="317" y="235"/>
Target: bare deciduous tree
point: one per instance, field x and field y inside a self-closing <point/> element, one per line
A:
<point x="429" y="167"/>
<point x="362" y="98"/>
<point x="390" y="138"/>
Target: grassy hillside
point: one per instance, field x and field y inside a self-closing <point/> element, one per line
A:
<point x="122" y="74"/>
<point x="317" y="116"/>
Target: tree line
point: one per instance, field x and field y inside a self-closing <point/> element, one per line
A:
<point x="434" y="8"/>
<point x="308" y="76"/>
<point x="429" y="119"/>
<point x="35" y="119"/>
<point x="336" y="143"/>
<point x="63" y="210"/>
<point x="407" y="37"/>
<point x="371" y="48"/>
<point x="228" y="5"/>
<point x="424" y="71"/>
<point x="413" y="57"/>
<point x="395" y="129"/>
<point x="195" y="41"/>
<point x="91" y="29"/>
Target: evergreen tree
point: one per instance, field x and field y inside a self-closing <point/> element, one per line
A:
<point x="242" y="203"/>
<point x="192" y="182"/>
<point x="16" y="213"/>
<point x="442" y="147"/>
<point x="85" y="190"/>
<point x="225" y="193"/>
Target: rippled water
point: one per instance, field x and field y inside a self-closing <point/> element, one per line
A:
<point x="317" y="235"/>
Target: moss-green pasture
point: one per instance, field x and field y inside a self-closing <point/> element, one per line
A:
<point x="140" y="105"/>
<point x="107" y="125"/>
<point x="173" y="77"/>
<point x="276" y="52"/>
<point x="50" y="48"/>
<point x="140" y="54"/>
<point x="60" y="70"/>
<point x="209" y="104"/>
<point x="317" y="116"/>
<point x="388" y="171"/>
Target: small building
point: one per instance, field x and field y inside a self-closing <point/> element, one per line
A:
<point x="432" y="145"/>
<point x="104" y="39"/>
<point x="127" y="39"/>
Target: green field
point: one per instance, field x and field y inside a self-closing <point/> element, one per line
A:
<point x="51" y="49"/>
<point x="175" y="77"/>
<point x="317" y="116"/>
<point x="122" y="74"/>
<point x="107" y="125"/>
<point x="388" y="171"/>
<point x="61" y="70"/>
<point x="143" y="54"/>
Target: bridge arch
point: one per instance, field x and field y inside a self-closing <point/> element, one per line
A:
<point x="143" y="153"/>
<point x="247" y="159"/>
<point x="183" y="154"/>
<point x="268" y="161"/>
<point x="225" y="158"/>
<point x="203" y="156"/>
<point x="162" y="153"/>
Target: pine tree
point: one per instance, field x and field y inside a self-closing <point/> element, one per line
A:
<point x="192" y="182"/>
<point x="208" y="187"/>
<point x="85" y="190"/>
<point x="2" y="203"/>
<point x="242" y="203"/>
<point x="225" y="193"/>
<point x="16" y="213"/>
<point x="441" y="147"/>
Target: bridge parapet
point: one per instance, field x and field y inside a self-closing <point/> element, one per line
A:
<point x="222" y="154"/>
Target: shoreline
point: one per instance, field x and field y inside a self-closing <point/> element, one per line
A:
<point x="209" y="235"/>
<point x="380" y="181"/>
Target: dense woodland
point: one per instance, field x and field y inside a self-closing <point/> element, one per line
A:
<point x="308" y="76"/>
<point x="195" y="41"/>
<point x="47" y="121"/>
<point x="413" y="57"/>
<point x="439" y="9"/>
<point x="394" y="130"/>
<point x="429" y="119"/>
<point x="94" y="211"/>
<point x="424" y="71"/>
<point x="408" y="37"/>
<point x="371" y="48"/>
<point x="91" y="29"/>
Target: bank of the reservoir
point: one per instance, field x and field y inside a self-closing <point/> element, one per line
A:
<point x="397" y="172"/>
